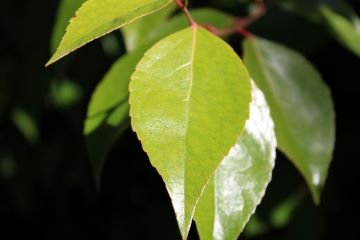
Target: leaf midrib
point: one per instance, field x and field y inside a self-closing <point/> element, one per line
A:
<point x="187" y="114"/>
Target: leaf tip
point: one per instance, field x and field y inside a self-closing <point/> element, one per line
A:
<point x="53" y="59"/>
<point x="316" y="194"/>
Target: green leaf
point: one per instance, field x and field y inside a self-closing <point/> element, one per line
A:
<point x="345" y="25"/>
<point x="96" y="18"/>
<point x="66" y="10"/>
<point x="281" y="215"/>
<point x="239" y="183"/>
<point x="189" y="100"/>
<point x="65" y="93"/>
<point x="100" y="133"/>
<point x="26" y="124"/>
<point x="108" y="111"/>
<point x="142" y="30"/>
<point x="300" y="104"/>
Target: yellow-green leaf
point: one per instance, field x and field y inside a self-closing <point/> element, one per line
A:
<point x="102" y="127"/>
<point x="66" y="10"/>
<point x="96" y="18"/>
<point x="300" y="104"/>
<point x="239" y="183"/>
<point x="189" y="100"/>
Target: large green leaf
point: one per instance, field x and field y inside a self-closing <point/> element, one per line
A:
<point x="142" y="31"/>
<point x="66" y="10"/>
<point x="344" y="24"/>
<point x="96" y="18"/>
<point x="189" y="100"/>
<point x="102" y="127"/>
<point x="239" y="183"/>
<point x="300" y="104"/>
<point x="108" y="111"/>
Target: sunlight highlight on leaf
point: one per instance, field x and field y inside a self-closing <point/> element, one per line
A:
<point x="181" y="93"/>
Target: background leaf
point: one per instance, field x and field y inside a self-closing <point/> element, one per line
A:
<point x="182" y="91"/>
<point x="344" y="24"/>
<point x="239" y="183"/>
<point x="300" y="104"/>
<point x="108" y="110"/>
<point x="306" y="8"/>
<point x="26" y="124"/>
<point x="98" y="17"/>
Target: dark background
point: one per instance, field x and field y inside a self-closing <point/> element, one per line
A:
<point x="46" y="185"/>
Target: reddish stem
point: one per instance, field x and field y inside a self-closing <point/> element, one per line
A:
<point x="245" y="33"/>
<point x="240" y="24"/>
<point x="180" y="4"/>
<point x="184" y="8"/>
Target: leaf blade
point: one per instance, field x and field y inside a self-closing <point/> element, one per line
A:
<point x="239" y="183"/>
<point x="101" y="122"/>
<point x="298" y="100"/>
<point x="172" y="111"/>
<point x="96" y="18"/>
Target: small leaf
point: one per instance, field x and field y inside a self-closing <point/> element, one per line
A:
<point x="96" y="18"/>
<point x="108" y="111"/>
<point x="65" y="93"/>
<point x="142" y="30"/>
<point x="301" y="107"/>
<point x="26" y="124"/>
<point x="239" y="183"/>
<point x="66" y="10"/>
<point x="345" y="25"/>
<point x="282" y="213"/>
<point x="189" y="100"/>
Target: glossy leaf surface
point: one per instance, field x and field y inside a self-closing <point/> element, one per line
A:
<point x="108" y="111"/>
<point x="96" y="18"/>
<point x="239" y="183"/>
<point x="189" y="100"/>
<point x="300" y="104"/>
<point x="345" y="25"/>
<point x="108" y="97"/>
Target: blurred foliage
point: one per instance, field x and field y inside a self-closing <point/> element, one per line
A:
<point x="47" y="189"/>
